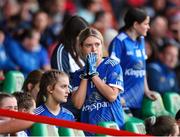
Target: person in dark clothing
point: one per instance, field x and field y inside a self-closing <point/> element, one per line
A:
<point x="65" y="57"/>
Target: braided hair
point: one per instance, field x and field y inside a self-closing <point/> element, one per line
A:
<point x="49" y="78"/>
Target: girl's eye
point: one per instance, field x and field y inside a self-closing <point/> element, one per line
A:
<point x="97" y="44"/>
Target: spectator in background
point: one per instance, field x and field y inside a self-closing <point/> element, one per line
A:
<point x="128" y="48"/>
<point x="41" y="23"/>
<point x="151" y="51"/>
<point x="97" y="86"/>
<point x="58" y="16"/>
<point x="174" y="25"/>
<point x="89" y="8"/>
<point x="160" y="74"/>
<point x="161" y="126"/>
<point x="156" y="8"/>
<point x="9" y="9"/>
<point x="31" y="83"/>
<point x="118" y="7"/>
<point x="157" y="35"/>
<point x="158" y="30"/>
<point x="6" y="62"/>
<point x="27" y="53"/>
<point x="103" y="22"/>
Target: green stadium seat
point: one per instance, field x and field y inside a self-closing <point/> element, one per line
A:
<point x="70" y="132"/>
<point x="135" y="126"/>
<point x="108" y="124"/>
<point x="52" y="131"/>
<point x="171" y="102"/>
<point x="131" y="118"/>
<point x="13" y="81"/>
<point x="39" y="129"/>
<point x="153" y="108"/>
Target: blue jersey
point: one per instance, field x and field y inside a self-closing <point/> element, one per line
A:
<point x="6" y="63"/>
<point x="27" y="61"/>
<point x="63" y="113"/>
<point x="96" y="107"/>
<point x="131" y="55"/>
<point x="43" y="111"/>
<point x="161" y="78"/>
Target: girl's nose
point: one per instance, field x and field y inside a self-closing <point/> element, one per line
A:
<point x="94" y="48"/>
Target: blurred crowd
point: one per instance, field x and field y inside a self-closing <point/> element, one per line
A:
<point x="30" y="28"/>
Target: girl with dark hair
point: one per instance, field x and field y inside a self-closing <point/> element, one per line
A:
<point x="31" y="83"/>
<point x="161" y="126"/>
<point x="128" y="48"/>
<point x="65" y="56"/>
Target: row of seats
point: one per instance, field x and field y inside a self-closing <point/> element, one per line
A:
<point x="132" y="124"/>
<point x="48" y="130"/>
<point x="168" y="104"/>
<point x="165" y="105"/>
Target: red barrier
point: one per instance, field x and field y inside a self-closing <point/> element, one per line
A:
<point x="64" y="123"/>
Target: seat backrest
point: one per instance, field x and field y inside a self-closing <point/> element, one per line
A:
<point x="108" y="124"/>
<point x="136" y="127"/>
<point x="13" y="81"/>
<point x="134" y="124"/>
<point x="39" y="129"/>
<point x="52" y="131"/>
<point x="131" y="118"/>
<point x="70" y="132"/>
<point x="153" y="108"/>
<point x="171" y="102"/>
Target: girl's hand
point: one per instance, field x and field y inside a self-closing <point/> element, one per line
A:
<point x="151" y="95"/>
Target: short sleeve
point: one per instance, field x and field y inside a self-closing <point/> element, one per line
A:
<point x="75" y="82"/>
<point x="115" y="49"/>
<point x="115" y="76"/>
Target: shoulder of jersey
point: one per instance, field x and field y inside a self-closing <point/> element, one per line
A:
<point x="64" y="110"/>
<point x="111" y="62"/>
<point x="122" y="36"/>
<point x="39" y="110"/>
